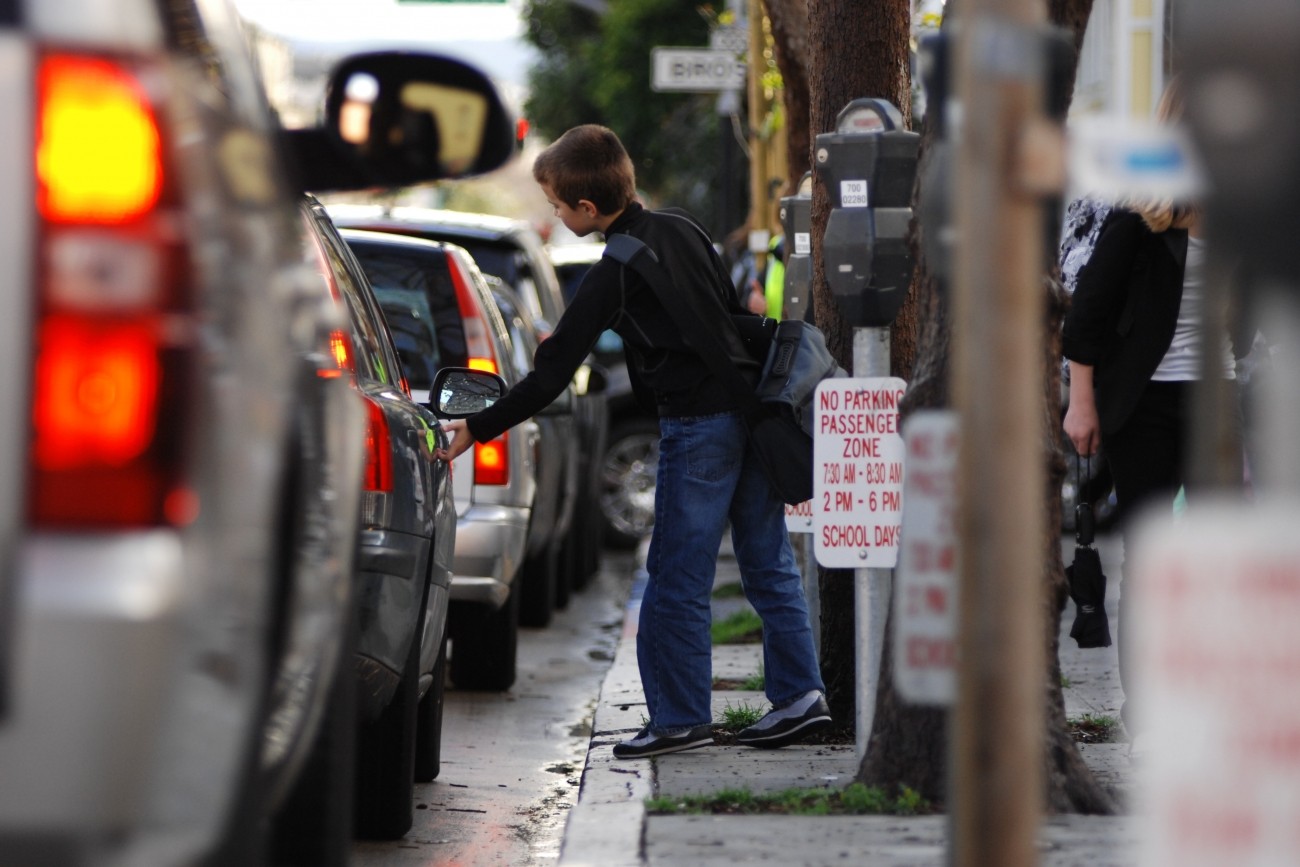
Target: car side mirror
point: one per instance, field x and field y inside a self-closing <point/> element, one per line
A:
<point x="396" y="118"/>
<point x="459" y="391"/>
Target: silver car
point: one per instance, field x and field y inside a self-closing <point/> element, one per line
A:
<point x="182" y="462"/>
<point x="441" y="313"/>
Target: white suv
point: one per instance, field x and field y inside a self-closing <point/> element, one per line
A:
<point x="181" y="460"/>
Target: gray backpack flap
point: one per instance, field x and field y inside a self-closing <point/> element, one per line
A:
<point x="797" y="361"/>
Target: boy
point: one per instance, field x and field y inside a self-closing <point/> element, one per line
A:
<point x="705" y="476"/>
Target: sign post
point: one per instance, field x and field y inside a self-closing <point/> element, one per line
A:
<point x="858" y="498"/>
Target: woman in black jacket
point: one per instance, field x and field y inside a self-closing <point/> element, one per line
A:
<point x="1132" y="337"/>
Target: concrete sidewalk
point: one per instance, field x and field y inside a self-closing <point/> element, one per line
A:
<point x="610" y="826"/>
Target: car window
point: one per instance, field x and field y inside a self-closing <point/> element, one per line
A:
<point x="412" y="326"/>
<point x="523" y="343"/>
<point x="395" y="274"/>
<point x="368" y="340"/>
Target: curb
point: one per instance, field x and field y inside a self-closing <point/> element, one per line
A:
<point x="606" y="825"/>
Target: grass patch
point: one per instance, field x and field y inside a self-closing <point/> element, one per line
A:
<point x="1065" y="682"/>
<point x="735" y="718"/>
<point x="731" y="590"/>
<point x="742" y="627"/>
<point x="1094" y="729"/>
<point x="753" y="683"/>
<point x="853" y="800"/>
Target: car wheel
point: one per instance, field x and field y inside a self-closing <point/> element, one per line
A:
<point x="537" y="602"/>
<point x="314" y="826"/>
<point x="428" y="723"/>
<point x="627" y="472"/>
<point x="483" y="645"/>
<point x="386" y="759"/>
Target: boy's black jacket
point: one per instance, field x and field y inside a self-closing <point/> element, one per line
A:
<point x="612" y="296"/>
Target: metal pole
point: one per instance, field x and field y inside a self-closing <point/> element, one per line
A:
<point x="998" y="298"/>
<point x="871" y="587"/>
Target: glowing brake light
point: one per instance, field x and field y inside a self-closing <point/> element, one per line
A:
<point x="492" y="461"/>
<point x="113" y="334"/>
<point x="478" y="345"/>
<point x="98" y="148"/>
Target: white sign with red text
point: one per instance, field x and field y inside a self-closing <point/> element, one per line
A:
<point x="925" y="596"/>
<point x="857" y="500"/>
<point x="799" y="518"/>
<point x="1216" y="648"/>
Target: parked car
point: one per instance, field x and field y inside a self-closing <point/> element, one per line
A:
<point x="513" y="251"/>
<point x="436" y="297"/>
<point x="552" y="534"/>
<point x="407" y="532"/>
<point x="182" y="465"/>
<point x="629" y="462"/>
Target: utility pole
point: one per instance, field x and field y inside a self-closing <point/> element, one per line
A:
<point x="998" y="297"/>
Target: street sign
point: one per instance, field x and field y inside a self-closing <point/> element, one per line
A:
<point x="858" y="465"/>
<point x="730" y="37"/>
<point x="1216" y="599"/>
<point x="799" y="518"/>
<point x="695" y="69"/>
<point x="925" y="599"/>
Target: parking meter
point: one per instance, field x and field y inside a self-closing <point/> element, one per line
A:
<point x="868" y="166"/>
<point x="796" y="224"/>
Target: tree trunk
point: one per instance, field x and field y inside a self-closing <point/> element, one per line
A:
<point x="908" y="743"/>
<point x="855" y="49"/>
<point x="789" y="20"/>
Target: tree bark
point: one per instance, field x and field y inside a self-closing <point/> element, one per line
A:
<point x="855" y="49"/>
<point x="789" y="20"/>
<point x="908" y="743"/>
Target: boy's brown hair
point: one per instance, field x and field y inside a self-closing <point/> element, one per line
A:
<point x="588" y="162"/>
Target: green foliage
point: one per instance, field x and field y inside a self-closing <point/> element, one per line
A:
<point x="856" y="799"/>
<point x="730" y="590"/>
<point x="742" y="627"/>
<point x="596" y="69"/>
<point x="736" y="718"/>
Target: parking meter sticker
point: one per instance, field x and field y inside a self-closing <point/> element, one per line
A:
<point x="802" y="243"/>
<point x="853" y="194"/>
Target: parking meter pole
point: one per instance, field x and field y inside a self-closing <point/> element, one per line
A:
<point x="871" y="587"/>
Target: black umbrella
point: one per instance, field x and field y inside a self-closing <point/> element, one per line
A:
<point x="1087" y="583"/>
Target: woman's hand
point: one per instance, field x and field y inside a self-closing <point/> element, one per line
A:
<point x="1082" y="427"/>
<point x="1081" y="424"/>
<point x="461" y="439"/>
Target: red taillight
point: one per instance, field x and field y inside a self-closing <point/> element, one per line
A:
<point x="112" y="335"/>
<point x="379" y="456"/>
<point x="492" y="461"/>
<point x="98" y="148"/>
<point x="478" y="345"/>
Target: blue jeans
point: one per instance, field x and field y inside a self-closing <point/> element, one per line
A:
<point x="706" y="477"/>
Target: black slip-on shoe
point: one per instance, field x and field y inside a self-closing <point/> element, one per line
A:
<point x="646" y="743"/>
<point x="786" y="725"/>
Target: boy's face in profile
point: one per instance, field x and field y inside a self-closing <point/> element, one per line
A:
<point x="581" y="220"/>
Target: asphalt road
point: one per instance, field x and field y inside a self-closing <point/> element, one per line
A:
<point x="512" y="762"/>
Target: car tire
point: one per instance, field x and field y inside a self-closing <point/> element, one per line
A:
<point x="540" y="577"/>
<point x="428" y="723"/>
<point x="570" y="557"/>
<point x="314" y="826"/>
<point x="484" y="642"/>
<point x="386" y="758"/>
<point x="628" y="474"/>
